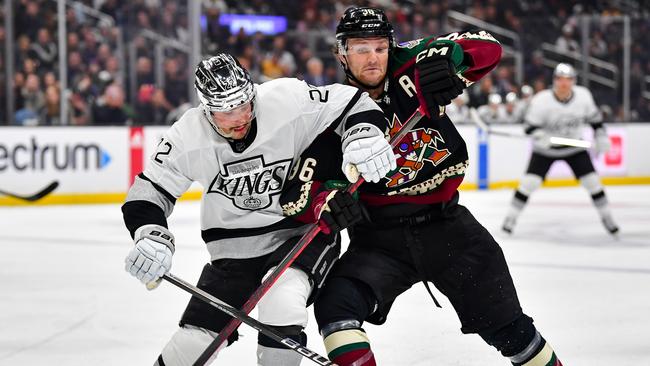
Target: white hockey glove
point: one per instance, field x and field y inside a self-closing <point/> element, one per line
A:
<point x="541" y="139"/>
<point x="602" y="144"/>
<point x="366" y="148"/>
<point x="152" y="255"/>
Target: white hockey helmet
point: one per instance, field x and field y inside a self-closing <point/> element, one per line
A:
<point x="494" y="98"/>
<point x="511" y="97"/>
<point x="222" y="84"/>
<point x="564" y="70"/>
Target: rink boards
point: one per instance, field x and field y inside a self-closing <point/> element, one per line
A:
<point x="97" y="164"/>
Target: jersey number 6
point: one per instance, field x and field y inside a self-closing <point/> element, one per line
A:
<point x="307" y="171"/>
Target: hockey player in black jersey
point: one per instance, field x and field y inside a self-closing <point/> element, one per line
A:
<point x="417" y="230"/>
<point x="240" y="144"/>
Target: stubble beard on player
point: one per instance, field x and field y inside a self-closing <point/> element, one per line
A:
<point x="366" y="86"/>
<point x="237" y="132"/>
<point x="233" y="134"/>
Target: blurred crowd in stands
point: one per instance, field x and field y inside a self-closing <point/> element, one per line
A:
<point x="112" y="77"/>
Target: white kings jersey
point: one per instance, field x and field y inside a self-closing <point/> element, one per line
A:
<point x="562" y="119"/>
<point x="240" y="213"/>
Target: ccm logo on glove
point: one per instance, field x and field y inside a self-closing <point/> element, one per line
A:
<point x="440" y="51"/>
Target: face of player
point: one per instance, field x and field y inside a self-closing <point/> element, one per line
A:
<point x="235" y="123"/>
<point x="367" y="59"/>
<point x="562" y="86"/>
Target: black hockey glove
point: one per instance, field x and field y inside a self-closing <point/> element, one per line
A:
<point x="340" y="210"/>
<point x="436" y="75"/>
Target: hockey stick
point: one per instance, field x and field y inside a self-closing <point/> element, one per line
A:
<point x="35" y="197"/>
<point x="255" y="324"/>
<point x="554" y="140"/>
<point x="292" y="255"/>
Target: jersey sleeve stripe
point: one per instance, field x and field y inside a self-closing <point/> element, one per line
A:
<point x="374" y="117"/>
<point x="347" y="108"/>
<point x="158" y="188"/>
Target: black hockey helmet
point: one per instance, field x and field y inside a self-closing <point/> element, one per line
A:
<point x="363" y="22"/>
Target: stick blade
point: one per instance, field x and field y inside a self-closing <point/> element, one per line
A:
<point x="47" y="190"/>
<point x="35" y="197"/>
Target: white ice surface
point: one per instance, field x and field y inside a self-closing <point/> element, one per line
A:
<point x="66" y="300"/>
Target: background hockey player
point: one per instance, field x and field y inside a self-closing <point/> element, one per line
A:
<point x="418" y="231"/>
<point x="240" y="144"/>
<point x="494" y="112"/>
<point x="508" y="110"/>
<point x="458" y="110"/>
<point x="562" y="111"/>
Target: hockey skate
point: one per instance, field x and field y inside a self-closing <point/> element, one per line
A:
<point x="509" y="224"/>
<point x="609" y="224"/>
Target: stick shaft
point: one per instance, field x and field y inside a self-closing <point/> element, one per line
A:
<point x="555" y="140"/>
<point x="257" y="325"/>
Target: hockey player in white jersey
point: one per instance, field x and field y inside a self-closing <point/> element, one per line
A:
<point x="562" y="111"/>
<point x="240" y="144"/>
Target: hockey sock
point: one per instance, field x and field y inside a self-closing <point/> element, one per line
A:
<point x="538" y="353"/>
<point x="529" y="183"/>
<point x="518" y="203"/>
<point x="273" y="353"/>
<point x="349" y="347"/>
<point x="269" y="356"/>
<point x="592" y="184"/>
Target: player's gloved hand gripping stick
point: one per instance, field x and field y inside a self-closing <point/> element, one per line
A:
<point x="291" y="256"/>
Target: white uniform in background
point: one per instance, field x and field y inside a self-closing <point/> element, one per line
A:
<point x="494" y="112"/>
<point x="562" y="118"/>
<point x="547" y="117"/>
<point x="526" y="95"/>
<point x="514" y="109"/>
<point x="457" y="110"/>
